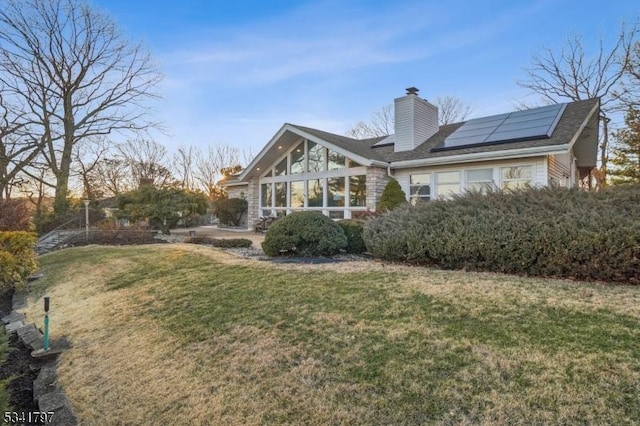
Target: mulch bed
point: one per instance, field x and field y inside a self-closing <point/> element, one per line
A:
<point x="19" y="366"/>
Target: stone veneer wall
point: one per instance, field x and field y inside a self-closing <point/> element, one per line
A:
<point x="253" y="198"/>
<point x="377" y="179"/>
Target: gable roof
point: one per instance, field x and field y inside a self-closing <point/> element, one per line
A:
<point x="577" y="122"/>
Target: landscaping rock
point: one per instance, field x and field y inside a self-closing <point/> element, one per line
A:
<point x="45" y="382"/>
<point x="64" y="417"/>
<point x="19" y="300"/>
<point x="13" y="317"/>
<point x="52" y="401"/>
<point x="29" y="328"/>
<point x="13" y="327"/>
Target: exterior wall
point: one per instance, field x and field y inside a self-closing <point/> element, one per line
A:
<point x="539" y="171"/>
<point x="377" y="179"/>
<point x="559" y="169"/>
<point x="238" y="191"/>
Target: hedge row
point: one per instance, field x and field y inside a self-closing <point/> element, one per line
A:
<point x="220" y="242"/>
<point x="17" y="257"/>
<point x="542" y="232"/>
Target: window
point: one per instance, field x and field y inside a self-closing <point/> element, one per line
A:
<point x="354" y="164"/>
<point x="315" y="198"/>
<point x="420" y="188"/>
<point x="281" y="194"/>
<point x="335" y="161"/>
<point x="480" y="180"/>
<point x="358" y="191"/>
<point x="265" y="193"/>
<point x="281" y="168"/>
<point x="448" y="184"/>
<point x="297" y="193"/>
<point x="297" y="159"/>
<point x="335" y="192"/>
<point x="316" y="157"/>
<point x="516" y="177"/>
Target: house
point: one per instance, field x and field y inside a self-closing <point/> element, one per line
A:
<point x="308" y="169"/>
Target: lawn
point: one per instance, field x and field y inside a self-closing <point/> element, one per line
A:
<point x="182" y="334"/>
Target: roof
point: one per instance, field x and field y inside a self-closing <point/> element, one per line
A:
<point x="577" y="122"/>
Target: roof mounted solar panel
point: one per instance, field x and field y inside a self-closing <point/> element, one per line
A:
<point x="535" y="123"/>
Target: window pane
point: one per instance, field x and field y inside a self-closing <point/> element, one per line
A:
<point x="354" y="164"/>
<point x="316" y="157"/>
<point x="518" y="172"/>
<point x="266" y="195"/>
<point x="420" y="188"/>
<point x="336" y="161"/>
<point x="335" y="194"/>
<point x="358" y="191"/>
<point x="515" y="184"/>
<point x="448" y="183"/>
<point x="266" y="213"/>
<point x="315" y="193"/>
<point x="281" y="194"/>
<point x="337" y="214"/>
<point x="281" y="168"/>
<point x="480" y="175"/>
<point x="297" y="194"/>
<point x="297" y="159"/>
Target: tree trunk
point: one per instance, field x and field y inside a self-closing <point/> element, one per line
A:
<point x="604" y="155"/>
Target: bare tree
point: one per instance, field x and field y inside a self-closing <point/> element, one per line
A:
<point x="183" y="165"/>
<point x="146" y="161"/>
<point x="17" y="148"/>
<point x="87" y="159"/>
<point x="111" y="177"/>
<point x="76" y="74"/>
<point x="450" y="110"/>
<point x="573" y="74"/>
<point x="210" y="164"/>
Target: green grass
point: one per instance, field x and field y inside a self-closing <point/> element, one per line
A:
<point x="375" y="348"/>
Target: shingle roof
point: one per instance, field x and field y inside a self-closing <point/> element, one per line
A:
<point x="568" y="125"/>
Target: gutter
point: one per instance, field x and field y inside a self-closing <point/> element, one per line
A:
<point x="481" y="156"/>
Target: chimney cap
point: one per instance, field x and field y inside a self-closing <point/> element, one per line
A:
<point x="412" y="90"/>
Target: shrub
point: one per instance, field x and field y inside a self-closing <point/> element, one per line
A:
<point x="304" y="234"/>
<point x="15" y="215"/>
<point x="230" y="210"/>
<point x="543" y="232"/>
<point x="17" y="257"/>
<point x="352" y="229"/>
<point x="220" y="242"/>
<point x="392" y="196"/>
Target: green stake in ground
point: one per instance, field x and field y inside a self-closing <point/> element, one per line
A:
<point x="46" y="324"/>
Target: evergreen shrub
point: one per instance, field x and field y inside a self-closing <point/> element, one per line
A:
<point x="353" y="230"/>
<point x="304" y="234"/>
<point x="17" y="258"/>
<point x="550" y="232"/>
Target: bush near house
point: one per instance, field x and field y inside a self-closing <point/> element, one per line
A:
<point x="15" y="215"/>
<point x="392" y="196"/>
<point x="304" y="234"/>
<point x="542" y="232"/>
<point x="17" y="258"/>
<point x="230" y="210"/>
<point x="352" y="229"/>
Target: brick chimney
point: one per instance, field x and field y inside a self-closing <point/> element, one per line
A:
<point x="416" y="120"/>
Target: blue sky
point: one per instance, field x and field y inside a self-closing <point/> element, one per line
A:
<point x="236" y="71"/>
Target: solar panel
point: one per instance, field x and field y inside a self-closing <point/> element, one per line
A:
<point x="535" y="123"/>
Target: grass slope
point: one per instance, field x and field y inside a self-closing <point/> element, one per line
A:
<point x="187" y="334"/>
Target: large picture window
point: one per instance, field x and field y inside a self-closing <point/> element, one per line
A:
<point x="315" y="197"/>
<point x="448" y="184"/>
<point x="358" y="191"/>
<point x="297" y="159"/>
<point x="297" y="193"/>
<point x="516" y="177"/>
<point x="281" y="167"/>
<point x="480" y="180"/>
<point x="316" y="157"/>
<point x="335" y="161"/>
<point x="335" y="192"/>
<point x="281" y="194"/>
<point x="265" y="193"/>
<point x="420" y="188"/>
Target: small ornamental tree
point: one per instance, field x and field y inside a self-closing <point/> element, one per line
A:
<point x="392" y="196"/>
